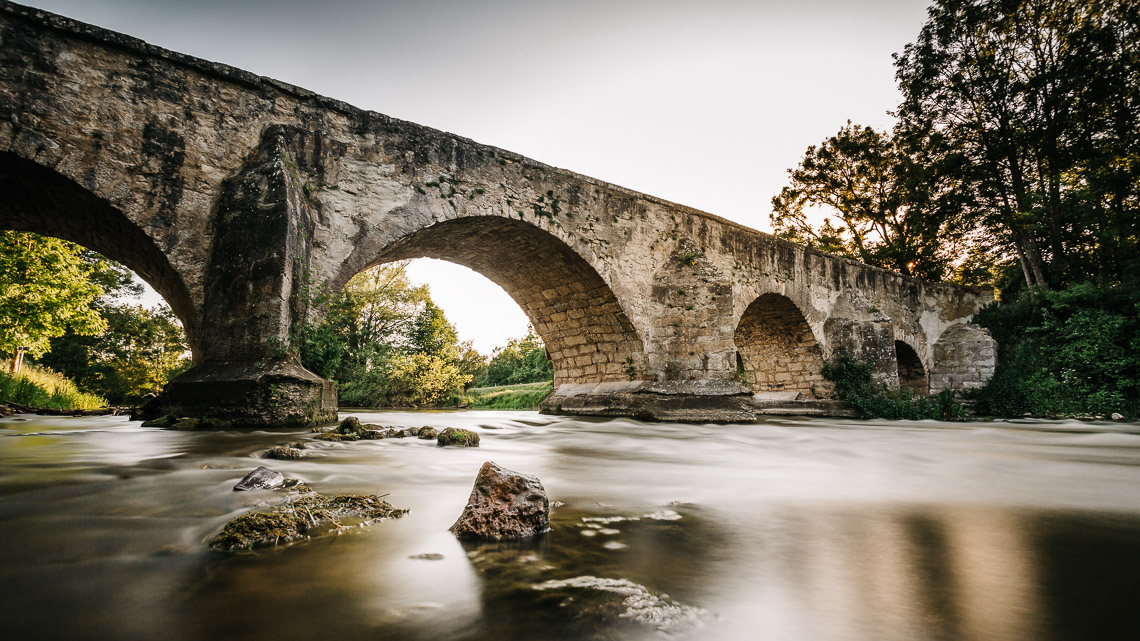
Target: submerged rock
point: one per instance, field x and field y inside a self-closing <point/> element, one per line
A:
<point x="428" y="433"/>
<point x="333" y="436"/>
<point x="283" y="453"/>
<point x="302" y="516"/>
<point x="621" y="599"/>
<point x="455" y="437"/>
<point x="262" y="478"/>
<point x="504" y="505"/>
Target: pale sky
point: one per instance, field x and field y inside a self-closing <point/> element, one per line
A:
<point x="706" y="104"/>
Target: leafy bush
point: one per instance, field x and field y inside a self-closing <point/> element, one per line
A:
<point x="1072" y="351"/>
<point x="856" y="387"/>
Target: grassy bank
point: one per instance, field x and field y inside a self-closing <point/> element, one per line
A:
<point x="525" y="396"/>
<point x="45" y="389"/>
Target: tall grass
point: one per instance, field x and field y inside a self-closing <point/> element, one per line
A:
<point x="524" y="396"/>
<point x="43" y="388"/>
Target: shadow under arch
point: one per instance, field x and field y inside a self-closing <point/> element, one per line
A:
<point x="587" y="333"/>
<point x="778" y="351"/>
<point x="912" y="374"/>
<point x="40" y="200"/>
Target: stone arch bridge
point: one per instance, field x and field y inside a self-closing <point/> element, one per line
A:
<point x="234" y="194"/>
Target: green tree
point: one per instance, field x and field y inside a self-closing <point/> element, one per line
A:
<point x="878" y="201"/>
<point x="1039" y="102"/>
<point x="521" y="360"/>
<point x="141" y="350"/>
<point x="432" y="334"/>
<point x="371" y="317"/>
<point x="45" y="290"/>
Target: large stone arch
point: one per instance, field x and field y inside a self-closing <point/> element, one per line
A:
<point x="587" y="332"/>
<point x="41" y="200"/>
<point x="778" y="350"/>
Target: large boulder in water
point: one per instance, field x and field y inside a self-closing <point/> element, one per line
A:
<point x="262" y="478"/>
<point x="504" y="505"/>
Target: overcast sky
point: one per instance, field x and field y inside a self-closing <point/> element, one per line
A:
<point x="706" y="104"/>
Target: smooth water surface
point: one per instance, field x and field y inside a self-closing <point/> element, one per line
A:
<point x="797" y="529"/>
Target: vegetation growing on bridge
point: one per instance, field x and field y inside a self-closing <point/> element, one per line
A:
<point x="1013" y="164"/>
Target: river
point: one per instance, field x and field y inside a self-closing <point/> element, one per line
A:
<point x="790" y="529"/>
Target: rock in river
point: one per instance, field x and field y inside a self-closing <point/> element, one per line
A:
<point x="454" y="437"/>
<point x="262" y="478"/>
<point x="504" y="505"/>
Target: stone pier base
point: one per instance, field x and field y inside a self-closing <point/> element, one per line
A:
<point x="682" y="401"/>
<point x="277" y="393"/>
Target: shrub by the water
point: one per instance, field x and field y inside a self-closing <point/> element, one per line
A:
<point x="1074" y="351"/>
<point x="45" y="389"/>
<point x="856" y="387"/>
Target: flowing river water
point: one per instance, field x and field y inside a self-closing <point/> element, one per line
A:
<point x="790" y="529"/>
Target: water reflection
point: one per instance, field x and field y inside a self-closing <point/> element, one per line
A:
<point x="793" y="529"/>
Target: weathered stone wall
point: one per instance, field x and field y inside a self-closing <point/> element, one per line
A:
<point x="236" y="196"/>
<point x="778" y="350"/>
<point x="965" y="357"/>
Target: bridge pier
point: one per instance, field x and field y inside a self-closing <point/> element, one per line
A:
<point x="249" y="371"/>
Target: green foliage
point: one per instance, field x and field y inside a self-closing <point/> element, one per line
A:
<point x="43" y="388"/>
<point x="1038" y="106"/>
<point x="431" y="334"/>
<point x="141" y="350"/>
<point x="387" y="344"/>
<point x="855" y="386"/>
<point x="521" y="360"/>
<point x="525" y="396"/>
<point x="1075" y="351"/>
<point x="889" y="209"/>
<point x="403" y="380"/>
<point x="45" y="290"/>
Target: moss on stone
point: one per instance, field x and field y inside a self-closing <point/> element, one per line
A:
<point x="303" y="515"/>
<point x="455" y="437"/>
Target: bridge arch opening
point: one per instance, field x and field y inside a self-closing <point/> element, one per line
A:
<point x="778" y="352"/>
<point x="912" y="375"/>
<point x="41" y="200"/>
<point x="587" y="333"/>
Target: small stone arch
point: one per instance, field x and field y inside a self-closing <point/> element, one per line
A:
<point x="911" y="372"/>
<point x="778" y="350"/>
<point x="40" y="200"/>
<point x="587" y="333"/>
<point x="965" y="357"/>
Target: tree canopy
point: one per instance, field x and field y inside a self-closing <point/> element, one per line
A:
<point x="45" y="290"/>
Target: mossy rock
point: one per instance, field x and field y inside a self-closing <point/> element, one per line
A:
<point x="186" y="424"/>
<point x="428" y="433"/>
<point x="283" y="453"/>
<point x="162" y="421"/>
<point x="303" y="515"/>
<point x="350" y="425"/>
<point x="258" y="529"/>
<point x="457" y="437"/>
